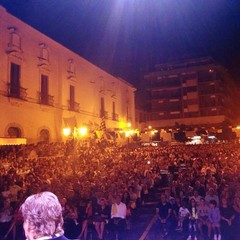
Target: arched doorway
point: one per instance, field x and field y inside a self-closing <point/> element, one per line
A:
<point x="44" y="135"/>
<point x="14" y="132"/>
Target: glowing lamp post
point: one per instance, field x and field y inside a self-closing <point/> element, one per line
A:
<point x="129" y="132"/>
<point x="66" y="132"/>
<point x="82" y="131"/>
<point x="76" y="133"/>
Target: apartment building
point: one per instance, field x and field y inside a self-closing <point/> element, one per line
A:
<point x="190" y="92"/>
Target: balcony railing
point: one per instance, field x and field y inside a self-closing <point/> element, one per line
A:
<point x="73" y="106"/>
<point x="17" y="92"/>
<point x="114" y="117"/>
<point x="103" y="114"/>
<point x="46" y="99"/>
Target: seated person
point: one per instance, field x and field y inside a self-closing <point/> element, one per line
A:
<point x="101" y="217"/>
<point x="87" y="219"/>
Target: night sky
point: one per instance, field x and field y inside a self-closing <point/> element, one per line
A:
<point x="128" y="37"/>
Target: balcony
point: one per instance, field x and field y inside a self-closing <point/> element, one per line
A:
<point x="46" y="99"/>
<point x="212" y="111"/>
<point x="103" y="114"/>
<point x="73" y="106"/>
<point x="114" y="117"/>
<point x="17" y="92"/>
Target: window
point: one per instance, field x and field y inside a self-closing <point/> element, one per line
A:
<point x="44" y="135"/>
<point x="14" y="40"/>
<point x="14" y="132"/>
<point x="113" y="108"/>
<point x="44" y="55"/>
<point x="72" y="97"/>
<point x="189" y="89"/>
<point x="15" y="80"/>
<point x="102" y="84"/>
<point x="71" y="66"/>
<point x="44" y="89"/>
<point x="113" y="89"/>
<point x="204" y="76"/>
<point x="114" y="115"/>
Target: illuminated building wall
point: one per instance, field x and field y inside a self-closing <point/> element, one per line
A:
<point x="189" y="92"/>
<point x="44" y="87"/>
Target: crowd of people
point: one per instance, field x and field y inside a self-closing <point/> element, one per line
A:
<point x="102" y="186"/>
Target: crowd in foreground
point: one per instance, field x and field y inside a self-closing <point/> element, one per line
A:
<point x="101" y="187"/>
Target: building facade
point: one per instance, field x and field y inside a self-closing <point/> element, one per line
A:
<point x="45" y="87"/>
<point x="190" y="92"/>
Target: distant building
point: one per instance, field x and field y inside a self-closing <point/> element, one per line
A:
<point x="190" y="92"/>
<point x="45" y="87"/>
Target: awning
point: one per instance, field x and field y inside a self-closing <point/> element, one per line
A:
<point x="13" y="141"/>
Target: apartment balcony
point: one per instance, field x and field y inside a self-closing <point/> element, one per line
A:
<point x="207" y="91"/>
<point x="191" y="114"/>
<point x="212" y="111"/>
<point x="164" y="85"/>
<point x="17" y="92"/>
<point x="73" y="106"/>
<point x="46" y="99"/>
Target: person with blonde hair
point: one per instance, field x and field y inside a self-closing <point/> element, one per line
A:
<point x="42" y="216"/>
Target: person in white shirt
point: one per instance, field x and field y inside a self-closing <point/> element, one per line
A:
<point x="118" y="217"/>
<point x="183" y="215"/>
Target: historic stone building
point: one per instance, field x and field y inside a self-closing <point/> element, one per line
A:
<point x="45" y="87"/>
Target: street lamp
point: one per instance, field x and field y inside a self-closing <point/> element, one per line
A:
<point x="82" y="131"/>
<point x="76" y="133"/>
<point x="66" y="131"/>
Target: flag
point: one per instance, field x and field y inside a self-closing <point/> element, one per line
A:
<point x="70" y="122"/>
<point x="102" y="128"/>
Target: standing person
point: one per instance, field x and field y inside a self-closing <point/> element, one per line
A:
<point x="42" y="216"/>
<point x="183" y="216"/>
<point x="203" y="217"/>
<point x="227" y="217"/>
<point x="118" y="216"/>
<point x="236" y="222"/>
<point x="215" y="218"/>
<point x="175" y="209"/>
<point x="6" y="216"/>
<point x="193" y="220"/>
<point x="164" y="210"/>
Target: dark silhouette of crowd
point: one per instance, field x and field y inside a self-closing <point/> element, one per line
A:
<point x="102" y="186"/>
